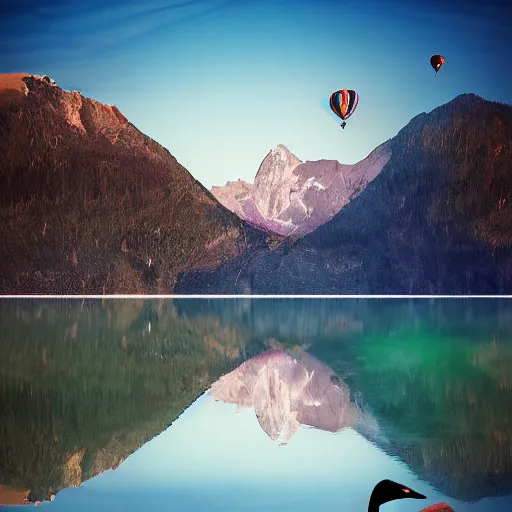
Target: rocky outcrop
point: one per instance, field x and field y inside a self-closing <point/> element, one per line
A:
<point x="293" y="198"/>
<point x="276" y="170"/>
<point x="232" y="195"/>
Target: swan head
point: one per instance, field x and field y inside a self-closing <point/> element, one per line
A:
<point x="387" y="490"/>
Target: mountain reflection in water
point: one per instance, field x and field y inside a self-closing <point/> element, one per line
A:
<point x="288" y="388"/>
<point x="421" y="389"/>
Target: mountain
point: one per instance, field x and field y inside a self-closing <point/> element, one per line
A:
<point x="89" y="204"/>
<point x="231" y="194"/>
<point x="290" y="197"/>
<point x="436" y="220"/>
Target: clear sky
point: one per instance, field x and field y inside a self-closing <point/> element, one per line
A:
<point x="220" y="82"/>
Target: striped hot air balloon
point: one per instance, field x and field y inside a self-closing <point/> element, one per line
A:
<point x="343" y="103"/>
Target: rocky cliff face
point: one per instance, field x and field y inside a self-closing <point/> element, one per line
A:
<point x="292" y="198"/>
<point x="436" y="220"/>
<point x="232" y="194"/>
<point x="89" y="204"/>
<point x="273" y="182"/>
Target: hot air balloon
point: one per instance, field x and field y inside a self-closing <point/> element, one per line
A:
<point x="343" y="103"/>
<point x="437" y="61"/>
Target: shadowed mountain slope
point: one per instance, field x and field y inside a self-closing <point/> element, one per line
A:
<point x="436" y="220"/>
<point x="89" y="204"/>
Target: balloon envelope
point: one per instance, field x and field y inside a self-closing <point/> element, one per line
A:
<point x="437" y="61"/>
<point x="344" y="102"/>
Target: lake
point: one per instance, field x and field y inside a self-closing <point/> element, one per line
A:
<point x="255" y="404"/>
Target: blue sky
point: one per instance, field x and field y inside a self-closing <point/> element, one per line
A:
<point x="220" y="82"/>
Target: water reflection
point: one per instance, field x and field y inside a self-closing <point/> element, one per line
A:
<point x="85" y="384"/>
<point x="420" y="389"/>
<point x="288" y="388"/>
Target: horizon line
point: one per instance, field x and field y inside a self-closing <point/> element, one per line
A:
<point x="244" y="296"/>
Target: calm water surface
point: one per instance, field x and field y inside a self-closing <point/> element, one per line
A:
<point x="255" y="404"/>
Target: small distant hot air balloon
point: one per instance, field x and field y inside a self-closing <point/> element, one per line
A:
<point x="343" y="103"/>
<point x="437" y="61"/>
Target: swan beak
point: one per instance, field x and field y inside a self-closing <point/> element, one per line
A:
<point x="416" y="495"/>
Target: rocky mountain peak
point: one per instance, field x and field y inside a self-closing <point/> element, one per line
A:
<point x="275" y="174"/>
<point x="283" y="154"/>
<point x="277" y="159"/>
<point x="291" y="197"/>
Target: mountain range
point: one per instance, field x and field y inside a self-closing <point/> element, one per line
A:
<point x="436" y="219"/>
<point x="89" y="204"/>
<point x="293" y="198"/>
